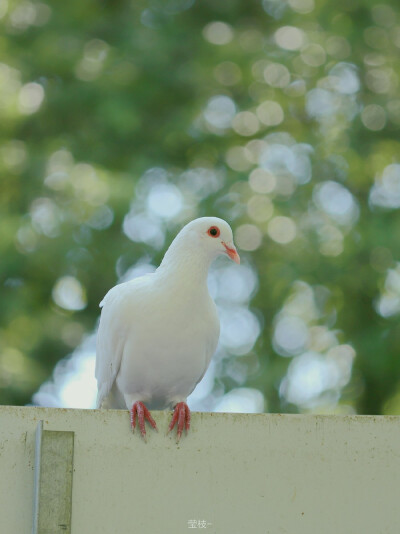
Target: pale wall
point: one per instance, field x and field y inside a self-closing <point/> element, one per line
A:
<point x="255" y="474"/>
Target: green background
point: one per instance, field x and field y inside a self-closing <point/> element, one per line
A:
<point x="94" y="94"/>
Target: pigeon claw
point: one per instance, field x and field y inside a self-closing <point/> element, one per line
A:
<point x="182" y="418"/>
<point x="140" y="411"/>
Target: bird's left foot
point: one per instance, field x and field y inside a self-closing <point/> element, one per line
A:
<point x="182" y="416"/>
<point x="142" y="413"/>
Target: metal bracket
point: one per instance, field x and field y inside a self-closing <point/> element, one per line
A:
<point x="54" y="462"/>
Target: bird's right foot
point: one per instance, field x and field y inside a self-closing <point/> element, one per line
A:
<point x="182" y="418"/>
<point x="139" y="409"/>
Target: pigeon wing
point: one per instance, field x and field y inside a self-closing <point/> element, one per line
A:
<point x="110" y="340"/>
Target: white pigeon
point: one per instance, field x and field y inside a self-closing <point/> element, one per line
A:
<point x="158" y="332"/>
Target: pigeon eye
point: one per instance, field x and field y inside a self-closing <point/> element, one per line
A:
<point x="213" y="231"/>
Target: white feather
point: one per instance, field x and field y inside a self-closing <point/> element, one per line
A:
<point x="157" y="333"/>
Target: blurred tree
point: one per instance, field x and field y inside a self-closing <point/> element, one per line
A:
<point x="280" y="116"/>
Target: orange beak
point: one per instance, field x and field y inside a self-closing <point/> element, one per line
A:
<point x="232" y="252"/>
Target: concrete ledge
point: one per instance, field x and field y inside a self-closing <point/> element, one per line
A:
<point x="234" y="473"/>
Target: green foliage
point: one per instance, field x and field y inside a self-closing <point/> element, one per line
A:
<point x="93" y="94"/>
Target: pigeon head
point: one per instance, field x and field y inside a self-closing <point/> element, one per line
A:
<point x="202" y="240"/>
<point x="214" y="236"/>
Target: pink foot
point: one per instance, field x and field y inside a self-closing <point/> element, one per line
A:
<point x="182" y="415"/>
<point x="142" y="413"/>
